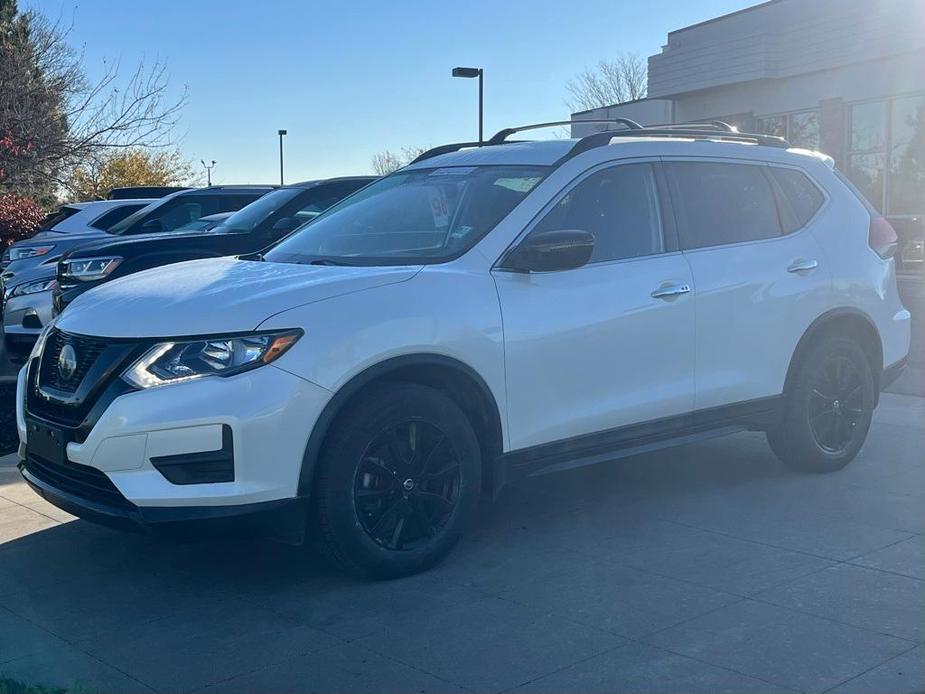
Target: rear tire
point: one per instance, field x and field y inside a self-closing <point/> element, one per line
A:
<point x="828" y="409"/>
<point x="398" y="482"/>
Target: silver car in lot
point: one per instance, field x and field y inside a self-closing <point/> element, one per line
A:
<point x="65" y="228"/>
<point x="27" y="308"/>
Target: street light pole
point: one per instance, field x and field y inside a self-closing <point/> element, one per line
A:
<point x="470" y="72"/>
<point x="208" y="171"/>
<point x="281" y="133"/>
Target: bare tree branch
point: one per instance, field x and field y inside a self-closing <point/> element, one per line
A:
<point x="608" y="83"/>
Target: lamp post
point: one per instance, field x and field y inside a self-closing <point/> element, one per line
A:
<point x="208" y="168"/>
<point x="470" y="72"/>
<point x="281" y="133"/>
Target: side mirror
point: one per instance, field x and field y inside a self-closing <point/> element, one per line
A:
<point x="548" y="251"/>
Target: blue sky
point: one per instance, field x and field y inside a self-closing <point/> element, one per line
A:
<point x="353" y="78"/>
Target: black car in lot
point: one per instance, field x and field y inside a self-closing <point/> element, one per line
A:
<point x="248" y="230"/>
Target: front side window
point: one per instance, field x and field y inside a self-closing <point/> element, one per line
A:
<point x="418" y="216"/>
<point x="619" y="206"/>
<point x="180" y="210"/>
<point x="718" y="203"/>
<point x="801" y="195"/>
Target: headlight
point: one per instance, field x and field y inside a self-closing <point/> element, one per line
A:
<point x="23" y="252"/>
<point x="32" y="287"/>
<point x="89" y="269"/>
<point x="175" y="362"/>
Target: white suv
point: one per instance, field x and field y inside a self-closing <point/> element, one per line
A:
<point x="483" y="314"/>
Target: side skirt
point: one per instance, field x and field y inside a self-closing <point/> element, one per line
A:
<point x="634" y="439"/>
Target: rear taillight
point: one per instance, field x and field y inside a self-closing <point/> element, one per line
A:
<point x="882" y="237"/>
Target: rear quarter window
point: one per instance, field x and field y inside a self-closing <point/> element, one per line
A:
<point x="719" y="203"/>
<point x="113" y="217"/>
<point x="802" y="197"/>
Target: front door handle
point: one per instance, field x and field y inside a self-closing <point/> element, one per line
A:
<point x="670" y="291"/>
<point x="803" y="265"/>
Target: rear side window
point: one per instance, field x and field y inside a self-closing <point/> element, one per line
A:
<point x="619" y="206"/>
<point x="57" y="217"/>
<point x="718" y="203"/>
<point x="105" y="221"/>
<point x="801" y="195"/>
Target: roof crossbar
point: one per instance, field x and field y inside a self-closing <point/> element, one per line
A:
<point x="501" y="136"/>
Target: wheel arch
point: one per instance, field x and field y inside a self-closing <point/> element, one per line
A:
<point x="849" y="322"/>
<point x="452" y="377"/>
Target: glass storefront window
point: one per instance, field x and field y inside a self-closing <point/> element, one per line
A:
<point x="907" y="156"/>
<point x="773" y="125"/>
<point x="801" y="129"/>
<point x="867" y="137"/>
<point x="804" y="130"/>
<point x="868" y="127"/>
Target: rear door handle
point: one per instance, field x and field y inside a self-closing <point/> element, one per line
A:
<point x="803" y="265"/>
<point x="670" y="291"/>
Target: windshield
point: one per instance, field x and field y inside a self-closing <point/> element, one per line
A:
<point x="420" y="216"/>
<point x="247" y="218"/>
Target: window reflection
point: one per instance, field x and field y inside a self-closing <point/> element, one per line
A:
<point x="804" y="129"/>
<point x="907" y="156"/>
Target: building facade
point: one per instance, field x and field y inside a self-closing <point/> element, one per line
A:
<point x="846" y="77"/>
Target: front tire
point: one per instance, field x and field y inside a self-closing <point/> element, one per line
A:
<point x="398" y="482"/>
<point x="828" y="408"/>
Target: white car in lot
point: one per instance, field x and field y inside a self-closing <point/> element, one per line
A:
<point x="483" y="314"/>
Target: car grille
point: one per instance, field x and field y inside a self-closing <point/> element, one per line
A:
<point x="84" y="482"/>
<point x="88" y="350"/>
<point x="70" y="401"/>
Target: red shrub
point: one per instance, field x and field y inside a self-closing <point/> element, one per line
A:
<point x="19" y="218"/>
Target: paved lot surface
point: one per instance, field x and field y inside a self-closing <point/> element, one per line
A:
<point x="709" y="568"/>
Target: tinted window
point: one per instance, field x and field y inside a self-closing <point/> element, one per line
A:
<point x="57" y="217"/>
<point x="619" y="206"/>
<point x="180" y="210"/>
<point x="718" y="203"/>
<point x="115" y="216"/>
<point x="802" y="196"/>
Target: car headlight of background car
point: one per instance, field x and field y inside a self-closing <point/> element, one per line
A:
<point x="23" y="252"/>
<point x="31" y="287"/>
<point x="89" y="269"/>
<point x="175" y="362"/>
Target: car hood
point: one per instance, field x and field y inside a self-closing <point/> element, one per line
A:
<point x="114" y="243"/>
<point x="213" y="296"/>
<point x="52" y="234"/>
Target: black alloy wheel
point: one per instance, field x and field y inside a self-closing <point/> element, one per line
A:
<point x="406" y="485"/>
<point x="837" y="404"/>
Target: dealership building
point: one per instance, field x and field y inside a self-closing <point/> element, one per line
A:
<point x="846" y="77"/>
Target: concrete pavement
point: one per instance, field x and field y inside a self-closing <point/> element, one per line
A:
<point x="708" y="568"/>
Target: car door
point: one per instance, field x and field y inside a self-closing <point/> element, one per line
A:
<point x="609" y="344"/>
<point x="759" y="276"/>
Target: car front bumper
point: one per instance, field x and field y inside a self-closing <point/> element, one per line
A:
<point x="23" y="320"/>
<point x="115" y="474"/>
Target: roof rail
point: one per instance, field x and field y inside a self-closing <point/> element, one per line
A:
<point x="688" y="131"/>
<point x="501" y="136"/>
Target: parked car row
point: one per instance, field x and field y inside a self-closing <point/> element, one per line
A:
<point x="89" y="243"/>
<point x="491" y="311"/>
